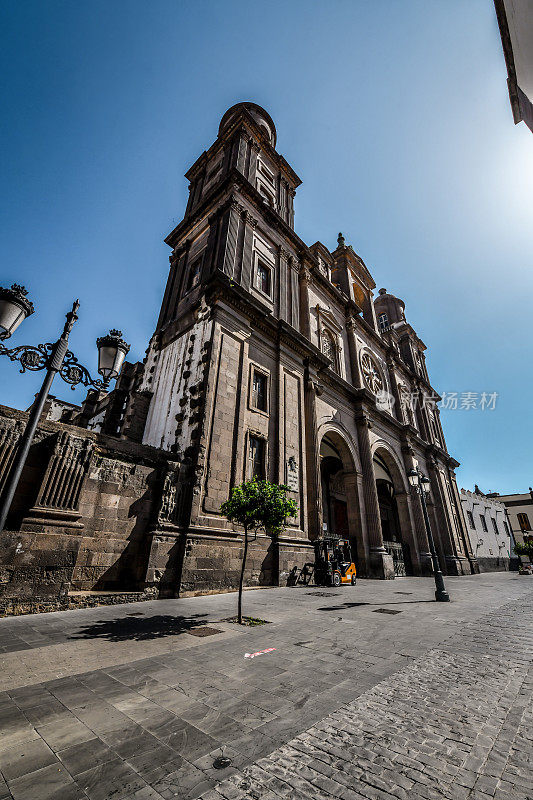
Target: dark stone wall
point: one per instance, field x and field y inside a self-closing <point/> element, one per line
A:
<point x="214" y="564"/>
<point x="496" y="564"/>
<point x="82" y="512"/>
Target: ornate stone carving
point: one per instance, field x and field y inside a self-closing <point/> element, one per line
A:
<point x="108" y="470"/>
<point x="235" y="204"/>
<point x="252" y="221"/>
<point x="10" y="432"/>
<point x="167" y="506"/>
<point x="305" y="276"/>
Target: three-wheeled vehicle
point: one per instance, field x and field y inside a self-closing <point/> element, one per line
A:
<point x="333" y="562"/>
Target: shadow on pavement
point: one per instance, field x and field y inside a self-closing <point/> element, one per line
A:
<point x="344" y="606"/>
<point x="122" y="629"/>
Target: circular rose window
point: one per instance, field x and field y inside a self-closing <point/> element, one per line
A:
<point x="371" y="373"/>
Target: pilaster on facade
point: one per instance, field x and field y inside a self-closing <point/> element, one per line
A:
<point x="380" y="562"/>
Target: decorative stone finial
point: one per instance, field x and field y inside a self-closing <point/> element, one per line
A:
<point x="383" y="291"/>
<point x="340" y="240"/>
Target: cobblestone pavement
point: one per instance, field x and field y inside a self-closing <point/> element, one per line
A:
<point x="128" y="702"/>
<point x="456" y="723"/>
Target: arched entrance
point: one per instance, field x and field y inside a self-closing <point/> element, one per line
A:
<point x="393" y="539"/>
<point x="339" y="494"/>
<point x="334" y="501"/>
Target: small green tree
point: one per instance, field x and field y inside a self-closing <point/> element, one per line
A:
<point x="525" y="548"/>
<point x="258" y="504"/>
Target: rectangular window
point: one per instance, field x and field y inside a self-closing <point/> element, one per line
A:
<point x="259" y="391"/>
<point x="256" y="457"/>
<point x="523" y="521"/>
<point x="267" y="174"/>
<point x="495" y="526"/>
<point x="266" y="194"/>
<point x="471" y="520"/>
<point x="263" y="280"/>
<point x="483" y="522"/>
<point x="383" y="321"/>
<point x="194" y="274"/>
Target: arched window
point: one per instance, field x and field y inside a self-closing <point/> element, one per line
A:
<point x="329" y="348"/>
<point x="523" y="521"/>
<point x="383" y="321"/>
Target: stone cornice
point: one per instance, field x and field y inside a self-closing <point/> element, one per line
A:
<point x="236" y="181"/>
<point x="245" y="124"/>
<point x="220" y="288"/>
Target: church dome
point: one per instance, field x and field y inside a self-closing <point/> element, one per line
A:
<point x="390" y="309"/>
<point x="261" y="117"/>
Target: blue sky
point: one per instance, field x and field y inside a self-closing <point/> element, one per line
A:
<point x="395" y="115"/>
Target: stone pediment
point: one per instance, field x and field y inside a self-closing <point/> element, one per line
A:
<point x="325" y="316"/>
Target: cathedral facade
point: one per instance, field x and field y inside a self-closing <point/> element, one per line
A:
<point x="275" y="359"/>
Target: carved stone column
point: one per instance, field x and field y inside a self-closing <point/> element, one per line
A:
<point x="395" y="391"/>
<point x="425" y="565"/>
<point x="254" y="152"/>
<point x="284" y="291"/>
<point x="230" y="234"/>
<point x="305" y="316"/>
<point x="292" y="195"/>
<point x="380" y="562"/>
<point x="247" y="254"/>
<point x="352" y="349"/>
<point x="352" y="484"/>
<point x="444" y="531"/>
<point x="314" y="495"/>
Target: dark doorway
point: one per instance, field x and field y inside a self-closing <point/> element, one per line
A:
<point x="340" y="509"/>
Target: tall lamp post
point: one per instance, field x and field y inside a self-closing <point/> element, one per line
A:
<point x="54" y="358"/>
<point x="422" y="485"/>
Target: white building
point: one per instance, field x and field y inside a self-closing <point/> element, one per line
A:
<point x="520" y="514"/>
<point x="488" y="528"/>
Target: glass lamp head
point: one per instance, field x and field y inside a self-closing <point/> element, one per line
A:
<point x="413" y="477"/>
<point x="14" y="308"/>
<point x="112" y="350"/>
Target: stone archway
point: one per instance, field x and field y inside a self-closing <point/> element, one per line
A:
<point x="395" y="516"/>
<point x="339" y="493"/>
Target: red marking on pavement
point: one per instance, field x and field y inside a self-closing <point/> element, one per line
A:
<point x="259" y="652"/>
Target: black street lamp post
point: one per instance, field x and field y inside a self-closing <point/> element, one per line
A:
<point x="54" y="358"/>
<point x="422" y="485"/>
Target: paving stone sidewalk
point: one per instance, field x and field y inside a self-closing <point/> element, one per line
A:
<point x="126" y="702"/>
<point x="456" y="723"/>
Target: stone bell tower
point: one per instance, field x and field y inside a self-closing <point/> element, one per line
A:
<point x="241" y="181"/>
<point x="213" y="369"/>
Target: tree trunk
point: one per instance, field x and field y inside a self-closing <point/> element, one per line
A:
<point x="243" y="567"/>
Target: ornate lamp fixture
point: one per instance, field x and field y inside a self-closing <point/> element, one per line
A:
<point x="54" y="358"/>
<point x="14" y="308"/>
<point x="112" y="350"/>
<point x="422" y="485"/>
